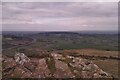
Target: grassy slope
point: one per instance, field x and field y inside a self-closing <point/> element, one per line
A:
<point x="110" y="66"/>
<point x="71" y="43"/>
<point x="94" y="52"/>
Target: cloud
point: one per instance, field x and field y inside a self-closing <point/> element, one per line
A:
<point x="75" y="14"/>
<point x="60" y="0"/>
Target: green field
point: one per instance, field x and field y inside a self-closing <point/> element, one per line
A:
<point x="105" y="45"/>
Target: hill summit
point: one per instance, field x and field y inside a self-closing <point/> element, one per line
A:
<point x="53" y="66"/>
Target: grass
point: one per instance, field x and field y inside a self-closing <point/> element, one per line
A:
<point x="10" y="53"/>
<point x="66" y="60"/>
<point x="28" y="52"/>
<point x="110" y="66"/>
<point x="95" y="45"/>
<point x="102" y="42"/>
<point x="93" y="52"/>
<point x="51" y="65"/>
<point x="72" y="69"/>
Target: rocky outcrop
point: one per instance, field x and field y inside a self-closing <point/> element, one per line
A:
<point x="21" y="58"/>
<point x="80" y="68"/>
<point x="56" y="65"/>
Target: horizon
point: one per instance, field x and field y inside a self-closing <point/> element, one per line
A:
<point x="80" y="32"/>
<point x="61" y="31"/>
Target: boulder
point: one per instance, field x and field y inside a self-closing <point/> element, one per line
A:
<point x="21" y="58"/>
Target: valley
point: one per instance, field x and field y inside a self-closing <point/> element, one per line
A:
<point x="47" y="47"/>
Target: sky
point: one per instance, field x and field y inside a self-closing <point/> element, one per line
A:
<point x="59" y="16"/>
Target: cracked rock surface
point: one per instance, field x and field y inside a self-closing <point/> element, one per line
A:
<point x="54" y="66"/>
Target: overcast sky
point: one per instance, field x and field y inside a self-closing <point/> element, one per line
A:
<point x="59" y="16"/>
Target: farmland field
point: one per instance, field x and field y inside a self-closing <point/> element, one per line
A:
<point x="102" y="49"/>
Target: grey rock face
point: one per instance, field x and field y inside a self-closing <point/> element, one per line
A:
<point x="57" y="66"/>
<point x="21" y="58"/>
